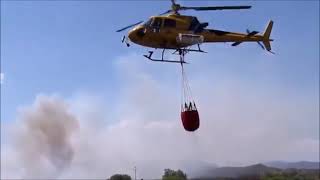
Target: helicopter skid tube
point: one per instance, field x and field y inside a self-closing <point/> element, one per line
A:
<point x="169" y="61"/>
<point x="178" y="51"/>
<point x="162" y="60"/>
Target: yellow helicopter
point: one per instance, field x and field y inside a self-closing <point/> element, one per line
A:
<point x="173" y="31"/>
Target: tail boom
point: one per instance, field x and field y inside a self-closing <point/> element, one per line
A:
<point x="223" y="36"/>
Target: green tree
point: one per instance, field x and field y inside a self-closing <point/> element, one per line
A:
<point x="120" y="177"/>
<point x="293" y="175"/>
<point x="170" y="174"/>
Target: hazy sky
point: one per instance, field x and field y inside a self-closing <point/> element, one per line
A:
<point x="254" y="106"/>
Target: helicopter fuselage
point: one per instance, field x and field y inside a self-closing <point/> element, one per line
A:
<point x="176" y="31"/>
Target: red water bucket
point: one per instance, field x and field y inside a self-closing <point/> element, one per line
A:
<point x="190" y="120"/>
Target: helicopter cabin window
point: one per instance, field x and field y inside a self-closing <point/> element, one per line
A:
<point x="156" y="23"/>
<point x="169" y="23"/>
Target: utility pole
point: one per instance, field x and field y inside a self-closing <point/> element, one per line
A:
<point x="135" y="173"/>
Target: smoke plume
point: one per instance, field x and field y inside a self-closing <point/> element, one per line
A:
<point x="43" y="143"/>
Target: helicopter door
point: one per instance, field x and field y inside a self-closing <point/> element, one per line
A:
<point x="156" y="24"/>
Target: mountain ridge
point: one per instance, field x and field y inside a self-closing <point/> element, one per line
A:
<point x="259" y="169"/>
<point x="295" y="165"/>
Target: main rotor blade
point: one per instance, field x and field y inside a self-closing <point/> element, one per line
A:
<point x="129" y="26"/>
<point x="165" y="12"/>
<point x="212" y="8"/>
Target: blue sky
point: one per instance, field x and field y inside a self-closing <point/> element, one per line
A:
<point x="71" y="47"/>
<point x="66" y="46"/>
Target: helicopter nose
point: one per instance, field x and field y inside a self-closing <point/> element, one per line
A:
<point x="131" y="35"/>
<point x="136" y="34"/>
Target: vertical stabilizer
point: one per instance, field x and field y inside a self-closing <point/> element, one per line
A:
<point x="266" y="36"/>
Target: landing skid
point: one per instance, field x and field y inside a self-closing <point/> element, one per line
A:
<point x="191" y="50"/>
<point x="181" y="52"/>
<point x="161" y="60"/>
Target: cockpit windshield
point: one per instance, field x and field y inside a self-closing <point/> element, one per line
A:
<point x="148" y="23"/>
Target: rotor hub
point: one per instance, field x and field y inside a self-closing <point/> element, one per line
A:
<point x="175" y="8"/>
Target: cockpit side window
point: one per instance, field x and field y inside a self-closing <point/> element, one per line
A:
<point x="170" y="23"/>
<point x="156" y="23"/>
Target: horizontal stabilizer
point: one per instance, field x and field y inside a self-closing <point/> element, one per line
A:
<point x="249" y="34"/>
<point x="252" y="33"/>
